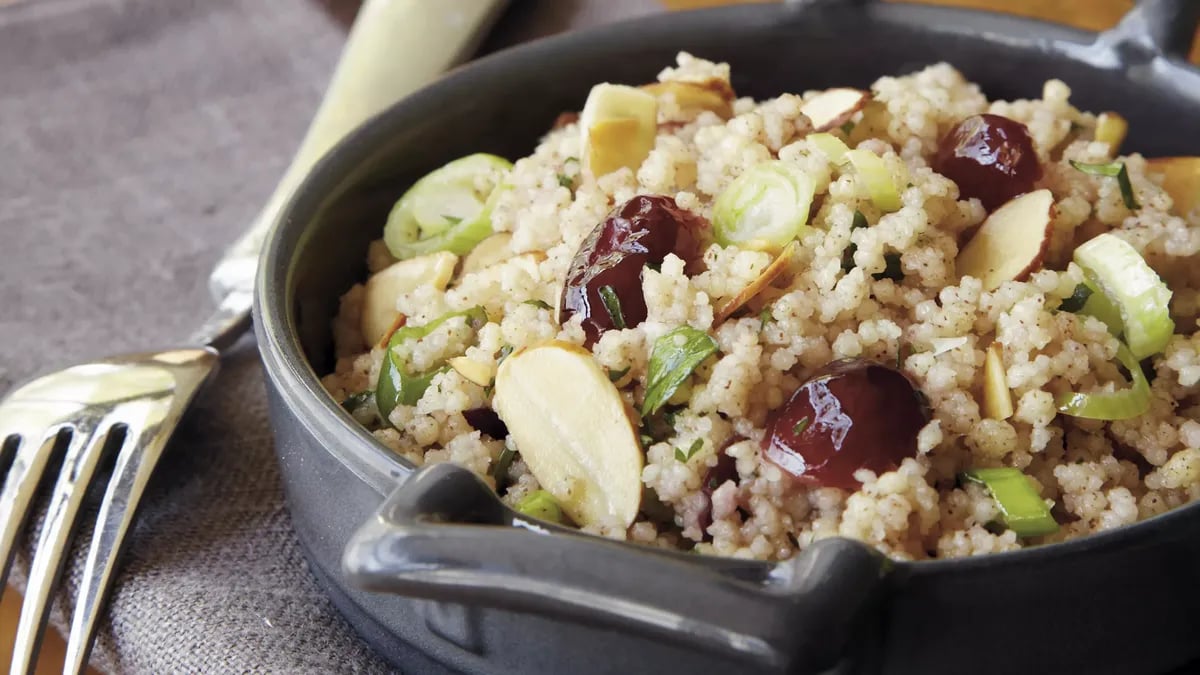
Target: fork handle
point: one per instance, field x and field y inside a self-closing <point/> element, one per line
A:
<point x="394" y="48"/>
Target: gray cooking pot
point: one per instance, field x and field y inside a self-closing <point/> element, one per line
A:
<point x="435" y="573"/>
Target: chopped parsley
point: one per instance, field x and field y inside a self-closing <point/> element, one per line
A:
<point x="683" y="457"/>
<point x="612" y="304"/>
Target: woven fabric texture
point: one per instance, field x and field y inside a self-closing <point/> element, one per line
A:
<point x="138" y="138"/>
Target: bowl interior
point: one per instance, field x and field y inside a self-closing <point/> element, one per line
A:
<point x="504" y="103"/>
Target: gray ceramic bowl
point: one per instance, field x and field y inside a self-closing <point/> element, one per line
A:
<point x="438" y="575"/>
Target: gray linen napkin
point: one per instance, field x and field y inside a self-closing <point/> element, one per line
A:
<point x="138" y="138"/>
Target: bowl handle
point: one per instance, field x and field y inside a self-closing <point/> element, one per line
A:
<point x="1162" y="27"/>
<point x="444" y="535"/>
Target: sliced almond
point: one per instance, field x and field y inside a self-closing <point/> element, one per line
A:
<point x="834" y="107"/>
<point x="571" y="427"/>
<point x="1181" y="180"/>
<point x="488" y="252"/>
<point x="997" y="397"/>
<point x="696" y="97"/>
<point x="397" y="324"/>
<point x="619" y="124"/>
<point x="479" y="373"/>
<point x="385" y="287"/>
<point x="495" y="274"/>
<point x="1111" y="128"/>
<point x="379" y="257"/>
<point x="1011" y="243"/>
<point x="768" y="275"/>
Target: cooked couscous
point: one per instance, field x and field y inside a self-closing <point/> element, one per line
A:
<point x="734" y="326"/>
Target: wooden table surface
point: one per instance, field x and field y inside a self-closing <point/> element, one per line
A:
<point x="1088" y="14"/>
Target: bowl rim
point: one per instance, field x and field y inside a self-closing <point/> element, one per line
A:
<point x="298" y="384"/>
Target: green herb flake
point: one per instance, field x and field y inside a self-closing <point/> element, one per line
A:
<point x="500" y="469"/>
<point x="1112" y="170"/>
<point x="616" y="375"/>
<point x="503" y="354"/>
<point x="566" y="181"/>
<point x="683" y="457"/>
<point x="570" y="160"/>
<point x="540" y="304"/>
<point x="848" y="127"/>
<point x="453" y="220"/>
<point x="647" y="440"/>
<point x="848" y="255"/>
<point x="1077" y="300"/>
<point x="612" y="304"/>
<point x="356" y="400"/>
<point x="800" y="426"/>
<point x="673" y="359"/>
<point x="764" y="317"/>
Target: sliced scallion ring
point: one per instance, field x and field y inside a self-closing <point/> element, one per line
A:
<point x="764" y="208"/>
<point x="1024" y="510"/>
<point x="1111" y="405"/>
<point x="396" y="385"/>
<point x="878" y="179"/>
<point x="1134" y="290"/>
<point x="1112" y="170"/>
<point x="830" y="145"/>
<point x="449" y="209"/>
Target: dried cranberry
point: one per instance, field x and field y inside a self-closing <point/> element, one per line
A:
<point x="724" y="470"/>
<point x="989" y="157"/>
<point x="852" y="414"/>
<point x="486" y="421"/>
<point x="608" y="265"/>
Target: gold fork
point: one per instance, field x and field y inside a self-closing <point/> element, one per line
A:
<point x="130" y="405"/>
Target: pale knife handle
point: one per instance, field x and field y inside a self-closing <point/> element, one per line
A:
<point x="394" y="48"/>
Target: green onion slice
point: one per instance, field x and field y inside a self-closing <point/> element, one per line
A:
<point x="765" y="208"/>
<point x="541" y="505"/>
<point x="449" y="209"/>
<point x="396" y="386"/>
<point x="875" y="175"/>
<point x="1113" y="405"/>
<point x="830" y="145"/>
<point x="1024" y="510"/>
<point x="672" y="360"/>
<point x="1077" y="299"/>
<point x="1132" y="288"/>
<point x="1112" y="170"/>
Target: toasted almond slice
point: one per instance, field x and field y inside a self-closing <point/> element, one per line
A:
<point x="772" y="272"/>
<point x="1111" y="128"/>
<point x="488" y="252"/>
<point x="997" y="398"/>
<point x="571" y="427"/>
<point x="1011" y="243"/>
<point x="1181" y="180"/>
<point x="383" y="288"/>
<point x="479" y="373"/>
<point x="834" y="107"/>
<point x="379" y="257"/>
<point x="619" y="124"/>
<point x="695" y="97"/>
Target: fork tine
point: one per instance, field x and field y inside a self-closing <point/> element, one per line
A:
<point x="79" y="467"/>
<point x="138" y="456"/>
<point x="35" y="446"/>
